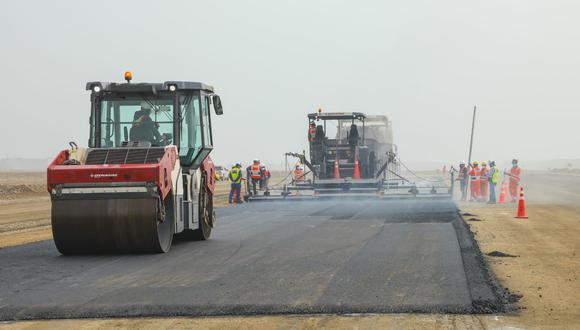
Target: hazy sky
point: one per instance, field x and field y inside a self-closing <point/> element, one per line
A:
<point x="422" y="63"/>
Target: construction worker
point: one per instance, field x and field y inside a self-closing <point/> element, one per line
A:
<point x="311" y="132"/>
<point x="265" y="177"/>
<point x="255" y="175"/>
<point x="236" y="184"/>
<point x="144" y="128"/>
<point x="493" y="181"/>
<point x="298" y="173"/>
<point x="462" y="178"/>
<point x="514" y="175"/>
<point x="484" y="182"/>
<point x="475" y="177"/>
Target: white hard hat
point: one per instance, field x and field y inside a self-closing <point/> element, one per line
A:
<point x="462" y="162"/>
<point x="145" y="105"/>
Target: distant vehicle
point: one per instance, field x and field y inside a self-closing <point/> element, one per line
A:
<point x="343" y="138"/>
<point x="221" y="173"/>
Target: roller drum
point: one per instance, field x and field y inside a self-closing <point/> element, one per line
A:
<point x="127" y="225"/>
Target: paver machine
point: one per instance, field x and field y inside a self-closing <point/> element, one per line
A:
<point x="348" y="154"/>
<point x="146" y="174"/>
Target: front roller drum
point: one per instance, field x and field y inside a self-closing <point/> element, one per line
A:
<point x="130" y="225"/>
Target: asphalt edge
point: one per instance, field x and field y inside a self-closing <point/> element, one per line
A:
<point x="488" y="297"/>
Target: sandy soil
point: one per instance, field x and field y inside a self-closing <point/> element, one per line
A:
<point x="24" y="208"/>
<point x="544" y="270"/>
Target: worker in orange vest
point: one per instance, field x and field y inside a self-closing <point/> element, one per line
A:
<point x="312" y="132"/>
<point x="475" y="177"/>
<point x="265" y="177"/>
<point x="484" y="182"/>
<point x="254" y="172"/>
<point x="298" y="174"/>
<point x="514" y="174"/>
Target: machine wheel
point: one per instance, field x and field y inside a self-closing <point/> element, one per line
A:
<point x="206" y="216"/>
<point x="125" y="225"/>
<point x="206" y="213"/>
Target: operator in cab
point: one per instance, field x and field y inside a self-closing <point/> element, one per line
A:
<point x="144" y="128"/>
<point x="353" y="139"/>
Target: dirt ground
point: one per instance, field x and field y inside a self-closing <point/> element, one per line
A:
<point x="543" y="266"/>
<point x="24" y="208"/>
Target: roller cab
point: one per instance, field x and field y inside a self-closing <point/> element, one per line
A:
<point x="146" y="174"/>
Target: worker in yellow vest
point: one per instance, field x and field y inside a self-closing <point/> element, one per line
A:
<point x="236" y="184"/>
<point x="493" y="181"/>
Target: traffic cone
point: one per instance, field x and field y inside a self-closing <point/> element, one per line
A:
<point x="522" y="206"/>
<point x="356" y="175"/>
<point x="336" y="170"/>
<point x="503" y="194"/>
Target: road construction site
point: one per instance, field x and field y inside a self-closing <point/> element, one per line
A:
<point x="315" y="257"/>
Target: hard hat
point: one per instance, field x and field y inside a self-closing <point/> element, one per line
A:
<point x="475" y="162"/>
<point x="256" y="160"/>
<point x="462" y="162"/>
<point x="238" y="165"/>
<point x="483" y="163"/>
<point x="145" y="106"/>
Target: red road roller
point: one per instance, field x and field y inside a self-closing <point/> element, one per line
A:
<point x="146" y="174"/>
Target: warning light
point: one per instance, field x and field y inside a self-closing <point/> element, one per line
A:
<point x="128" y="76"/>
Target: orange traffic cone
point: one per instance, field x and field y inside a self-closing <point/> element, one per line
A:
<point x="336" y="170"/>
<point x="356" y="174"/>
<point x="522" y="206"/>
<point x="503" y="194"/>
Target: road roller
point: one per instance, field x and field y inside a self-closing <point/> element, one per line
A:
<point x="146" y="174"/>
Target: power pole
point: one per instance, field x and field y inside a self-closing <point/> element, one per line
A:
<point x="472" y="129"/>
<point x="470" y="147"/>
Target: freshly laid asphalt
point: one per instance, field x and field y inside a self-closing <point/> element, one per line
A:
<point x="335" y="256"/>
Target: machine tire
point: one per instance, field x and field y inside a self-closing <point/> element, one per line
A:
<point x="206" y="213"/>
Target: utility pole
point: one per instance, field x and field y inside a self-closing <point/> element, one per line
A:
<point x="472" y="129"/>
<point x="470" y="147"/>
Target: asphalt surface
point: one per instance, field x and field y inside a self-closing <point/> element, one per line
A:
<point x="268" y="258"/>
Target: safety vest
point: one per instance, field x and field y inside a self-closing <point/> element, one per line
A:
<point x="494" y="175"/>
<point x="236" y="175"/>
<point x="484" y="174"/>
<point x="475" y="174"/>
<point x="515" y="172"/>
<point x="311" y="133"/>
<point x="298" y="175"/>
<point x="255" y="172"/>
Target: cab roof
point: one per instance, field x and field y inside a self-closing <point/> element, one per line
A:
<point x="336" y="115"/>
<point x="147" y="87"/>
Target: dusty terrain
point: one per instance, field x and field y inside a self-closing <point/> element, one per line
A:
<point x="24" y="208"/>
<point x="544" y="269"/>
